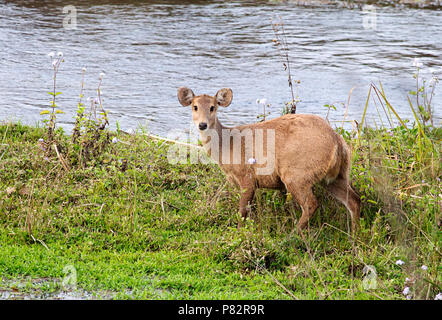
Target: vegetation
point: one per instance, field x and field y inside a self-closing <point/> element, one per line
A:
<point x="138" y="227"/>
<point x="105" y="214"/>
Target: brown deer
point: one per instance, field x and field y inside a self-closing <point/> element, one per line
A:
<point x="292" y="152"/>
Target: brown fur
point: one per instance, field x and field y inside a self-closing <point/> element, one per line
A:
<point x="307" y="150"/>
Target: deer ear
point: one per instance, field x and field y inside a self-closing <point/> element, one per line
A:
<point x="224" y="97"/>
<point x="185" y="96"/>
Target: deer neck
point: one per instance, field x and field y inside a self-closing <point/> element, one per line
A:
<point x="209" y="143"/>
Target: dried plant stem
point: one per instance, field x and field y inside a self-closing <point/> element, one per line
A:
<point x="277" y="282"/>
<point x="283" y="48"/>
<point x="60" y="157"/>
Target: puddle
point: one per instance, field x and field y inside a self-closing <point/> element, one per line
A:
<point x="48" y="289"/>
<point x="53" y="289"/>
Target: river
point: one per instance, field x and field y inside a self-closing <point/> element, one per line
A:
<point x="147" y="49"/>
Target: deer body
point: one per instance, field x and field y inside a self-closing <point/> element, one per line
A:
<point x="294" y="152"/>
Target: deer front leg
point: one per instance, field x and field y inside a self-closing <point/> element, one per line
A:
<point x="247" y="194"/>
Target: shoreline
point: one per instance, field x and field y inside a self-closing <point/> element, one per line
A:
<point x="134" y="226"/>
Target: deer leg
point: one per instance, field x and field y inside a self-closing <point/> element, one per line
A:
<point x="308" y="210"/>
<point x="247" y="194"/>
<point x="304" y="196"/>
<point x="343" y="192"/>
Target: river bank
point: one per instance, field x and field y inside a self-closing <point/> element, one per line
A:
<point x="132" y="225"/>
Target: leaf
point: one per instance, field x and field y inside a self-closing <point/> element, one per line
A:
<point x="59" y="111"/>
<point x="44" y="112"/>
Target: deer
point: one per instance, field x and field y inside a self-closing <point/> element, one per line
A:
<point x="294" y="152"/>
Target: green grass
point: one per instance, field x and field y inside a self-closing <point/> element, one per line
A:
<point x="159" y="231"/>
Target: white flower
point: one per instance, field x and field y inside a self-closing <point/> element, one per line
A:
<point x="417" y="63"/>
<point x="407" y="279"/>
<point x="102" y="75"/>
<point x="261" y="101"/>
<point x="406" y="291"/>
<point x="51" y="54"/>
<point x="399" y="262"/>
<point x="434" y="80"/>
<point x="409" y="297"/>
<point x="60" y="54"/>
<point x="83" y="69"/>
<point x="114" y="140"/>
<point x="131" y="131"/>
<point x="438" y="296"/>
<point x="41" y="140"/>
<point x="251" y="161"/>
<point x="424" y="267"/>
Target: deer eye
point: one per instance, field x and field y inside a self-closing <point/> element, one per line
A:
<point x="212" y="108"/>
<point x="195" y="108"/>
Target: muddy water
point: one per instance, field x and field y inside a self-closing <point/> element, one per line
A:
<point x="149" y="48"/>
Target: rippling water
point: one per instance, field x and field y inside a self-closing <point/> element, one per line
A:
<point x="149" y="48"/>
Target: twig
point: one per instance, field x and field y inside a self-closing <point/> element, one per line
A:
<point x="277" y="282"/>
<point x="42" y="243"/>
<point x="65" y="166"/>
<point x="415" y="186"/>
<point x="173" y="141"/>
<point x="281" y="39"/>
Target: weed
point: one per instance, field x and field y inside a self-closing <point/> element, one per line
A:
<point x="280" y="42"/>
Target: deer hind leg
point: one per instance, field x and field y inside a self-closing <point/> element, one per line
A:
<point x="343" y="192"/>
<point x="247" y="194"/>
<point x="304" y="196"/>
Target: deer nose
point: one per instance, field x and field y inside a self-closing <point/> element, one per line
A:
<point x="202" y="126"/>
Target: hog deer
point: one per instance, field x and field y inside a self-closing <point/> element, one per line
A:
<point x="306" y="150"/>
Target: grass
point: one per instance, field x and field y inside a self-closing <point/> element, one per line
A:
<point x="134" y="226"/>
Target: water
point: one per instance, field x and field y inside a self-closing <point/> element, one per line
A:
<point x="148" y="49"/>
<point x="47" y="289"/>
<point x="27" y="288"/>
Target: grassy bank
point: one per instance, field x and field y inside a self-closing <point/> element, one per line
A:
<point x="130" y="225"/>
